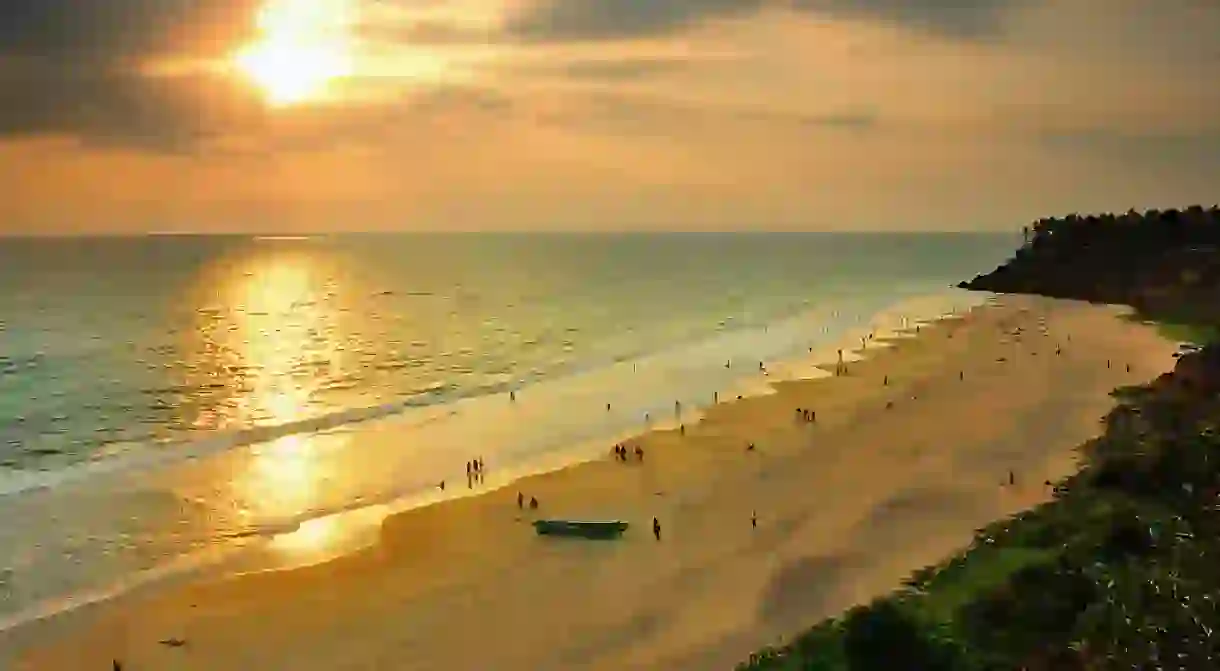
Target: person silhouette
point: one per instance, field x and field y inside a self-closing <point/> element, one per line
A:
<point x="656" y="528"/>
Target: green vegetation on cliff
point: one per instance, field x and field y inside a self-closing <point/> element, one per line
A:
<point x="1122" y="569"/>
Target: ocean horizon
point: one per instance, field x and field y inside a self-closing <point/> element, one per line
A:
<point x="171" y="397"/>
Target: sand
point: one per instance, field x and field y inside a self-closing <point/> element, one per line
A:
<point x="846" y="508"/>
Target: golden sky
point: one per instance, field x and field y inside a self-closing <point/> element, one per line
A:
<point x="282" y="115"/>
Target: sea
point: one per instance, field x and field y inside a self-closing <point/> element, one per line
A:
<point x="178" y="404"/>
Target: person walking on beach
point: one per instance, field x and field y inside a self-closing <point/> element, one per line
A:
<point x="512" y="395"/>
<point x="520" y="501"/>
<point x="754" y="520"/>
<point x="656" y="528"/>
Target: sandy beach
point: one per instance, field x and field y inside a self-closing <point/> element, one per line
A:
<point x="912" y="450"/>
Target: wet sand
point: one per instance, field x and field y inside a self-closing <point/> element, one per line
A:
<point x="846" y="508"/>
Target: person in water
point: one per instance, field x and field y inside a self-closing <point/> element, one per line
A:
<point x="656" y="528"/>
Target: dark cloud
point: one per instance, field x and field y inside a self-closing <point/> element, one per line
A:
<point x="544" y="20"/>
<point x="953" y="18"/>
<point x="73" y="67"/>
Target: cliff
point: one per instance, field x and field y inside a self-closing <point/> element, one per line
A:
<point x="1166" y="264"/>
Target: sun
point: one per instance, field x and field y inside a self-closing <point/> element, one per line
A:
<point x="302" y="47"/>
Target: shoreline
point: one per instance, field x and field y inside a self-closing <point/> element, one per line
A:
<point x="923" y="308"/>
<point x="700" y="477"/>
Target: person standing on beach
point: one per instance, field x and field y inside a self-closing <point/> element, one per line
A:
<point x="512" y="395"/>
<point x="754" y="520"/>
<point x="520" y="501"/>
<point x="656" y="528"/>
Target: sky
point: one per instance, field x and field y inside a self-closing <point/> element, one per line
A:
<point x="343" y="115"/>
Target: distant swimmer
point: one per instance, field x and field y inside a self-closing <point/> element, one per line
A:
<point x="728" y="364"/>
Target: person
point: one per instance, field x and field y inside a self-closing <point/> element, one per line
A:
<point x="639" y="453"/>
<point x="512" y="395"/>
<point x="533" y="503"/>
<point x="750" y="447"/>
<point x="116" y="666"/>
<point x="520" y="501"/>
<point x="754" y="520"/>
<point x="442" y="485"/>
<point x="656" y="528"/>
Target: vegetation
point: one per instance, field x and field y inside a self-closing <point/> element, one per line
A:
<point x="1121" y="570"/>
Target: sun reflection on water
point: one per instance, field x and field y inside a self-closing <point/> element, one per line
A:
<point x="276" y="343"/>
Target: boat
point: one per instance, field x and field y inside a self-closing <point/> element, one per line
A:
<point x="606" y="530"/>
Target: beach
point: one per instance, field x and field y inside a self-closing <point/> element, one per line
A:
<point x="912" y="450"/>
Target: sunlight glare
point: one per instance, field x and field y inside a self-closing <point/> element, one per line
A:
<point x="303" y="46"/>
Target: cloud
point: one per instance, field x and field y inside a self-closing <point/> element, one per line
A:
<point x="558" y="20"/>
<point x="117" y="30"/>
<point x="950" y="18"/>
<point x="74" y="67"/>
<point x="626" y="114"/>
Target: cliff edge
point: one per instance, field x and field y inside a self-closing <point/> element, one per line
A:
<point x="1166" y="264"/>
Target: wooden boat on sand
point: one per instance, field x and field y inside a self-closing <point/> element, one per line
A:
<point x="607" y="530"/>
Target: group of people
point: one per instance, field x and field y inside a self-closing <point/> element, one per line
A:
<point x="621" y="452"/>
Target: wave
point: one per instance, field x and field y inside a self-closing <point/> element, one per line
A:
<point x="142" y="455"/>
